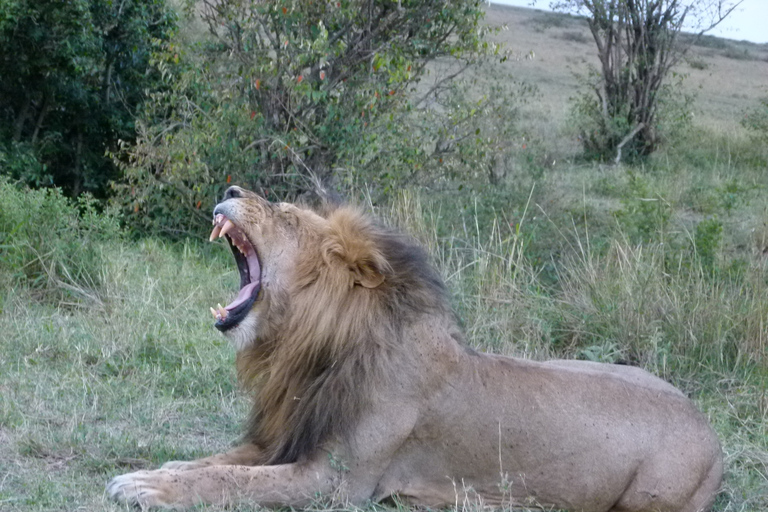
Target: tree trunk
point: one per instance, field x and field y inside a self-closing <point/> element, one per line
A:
<point x="21" y="120"/>
<point x="78" y="182"/>
<point x="41" y="117"/>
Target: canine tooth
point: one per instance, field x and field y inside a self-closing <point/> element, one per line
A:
<point x="213" y="312"/>
<point x="228" y="225"/>
<point x="222" y="312"/>
<point x="214" y="233"/>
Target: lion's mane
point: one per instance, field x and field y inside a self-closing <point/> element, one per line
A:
<point x="339" y="331"/>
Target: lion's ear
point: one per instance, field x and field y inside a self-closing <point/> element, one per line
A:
<point x="353" y="240"/>
<point x="368" y="276"/>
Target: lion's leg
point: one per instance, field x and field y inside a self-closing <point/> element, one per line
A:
<point x="247" y="454"/>
<point x="293" y="485"/>
<point x="705" y="495"/>
<point x="648" y="494"/>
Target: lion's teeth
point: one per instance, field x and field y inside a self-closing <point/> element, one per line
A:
<point x="226" y="228"/>
<point x="214" y="313"/>
<point x="214" y="233"/>
<point x="222" y="312"/>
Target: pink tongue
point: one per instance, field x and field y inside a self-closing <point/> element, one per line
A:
<point x="254" y="270"/>
<point x="245" y="294"/>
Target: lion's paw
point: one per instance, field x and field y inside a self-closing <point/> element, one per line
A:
<point x="144" y="489"/>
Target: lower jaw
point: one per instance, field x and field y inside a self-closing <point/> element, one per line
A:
<point x="237" y="315"/>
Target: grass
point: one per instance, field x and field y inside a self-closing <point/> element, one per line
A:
<point x="93" y="389"/>
<point x="109" y="361"/>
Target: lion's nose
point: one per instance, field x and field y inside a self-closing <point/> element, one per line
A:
<point x="233" y="192"/>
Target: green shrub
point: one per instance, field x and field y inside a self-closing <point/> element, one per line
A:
<point x="286" y="94"/>
<point x="707" y="241"/>
<point x="756" y="121"/>
<point x="51" y="243"/>
<point x="72" y="75"/>
<point x="734" y="53"/>
<point x="697" y="63"/>
<point x="646" y="214"/>
<point x="576" y="36"/>
<point x="601" y="132"/>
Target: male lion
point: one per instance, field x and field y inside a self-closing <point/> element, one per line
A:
<point x="362" y="388"/>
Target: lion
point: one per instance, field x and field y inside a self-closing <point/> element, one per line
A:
<point x="364" y="390"/>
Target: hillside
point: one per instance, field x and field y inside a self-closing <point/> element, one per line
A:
<point x="550" y="48"/>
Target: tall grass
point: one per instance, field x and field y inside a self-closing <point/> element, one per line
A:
<point x="630" y="303"/>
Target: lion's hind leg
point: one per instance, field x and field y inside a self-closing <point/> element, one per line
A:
<point x="705" y="495"/>
<point x="247" y="454"/>
<point x="677" y="491"/>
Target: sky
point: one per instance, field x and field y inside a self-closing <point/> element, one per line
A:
<point x="749" y="21"/>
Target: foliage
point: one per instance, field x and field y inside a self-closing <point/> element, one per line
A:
<point x="645" y="214"/>
<point x="71" y="77"/>
<point x="707" y="241"/>
<point x="637" y="44"/>
<point x="50" y="242"/>
<point x="289" y="96"/>
<point x="756" y="121"/>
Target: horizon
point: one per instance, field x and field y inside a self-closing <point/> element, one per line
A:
<point x="746" y="23"/>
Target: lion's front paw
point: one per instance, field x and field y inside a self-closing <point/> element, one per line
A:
<point x="146" y="489"/>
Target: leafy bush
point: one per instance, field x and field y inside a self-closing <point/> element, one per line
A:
<point x="576" y="36"/>
<point x="289" y="94"/>
<point x="72" y="75"/>
<point x="734" y="53"/>
<point x="756" y="121"/>
<point x="645" y="215"/>
<point x="602" y="133"/>
<point x="697" y="63"/>
<point x="638" y="45"/>
<point x="50" y="242"/>
<point x="706" y="243"/>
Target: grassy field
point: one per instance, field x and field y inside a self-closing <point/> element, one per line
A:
<point x="109" y="361"/>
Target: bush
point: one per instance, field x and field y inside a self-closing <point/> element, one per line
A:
<point x="286" y="95"/>
<point x="51" y="243"/>
<point x="756" y="121"/>
<point x="72" y="75"/>
<point x="601" y="134"/>
<point x="576" y="36"/>
<point x="638" y="45"/>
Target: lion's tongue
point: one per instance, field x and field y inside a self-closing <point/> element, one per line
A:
<point x="254" y="272"/>
<point x="245" y="294"/>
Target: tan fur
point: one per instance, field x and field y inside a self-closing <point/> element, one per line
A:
<point x="363" y="388"/>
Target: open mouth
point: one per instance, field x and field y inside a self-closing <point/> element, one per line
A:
<point x="250" y="274"/>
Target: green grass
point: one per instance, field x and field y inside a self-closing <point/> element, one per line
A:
<point x="95" y="389"/>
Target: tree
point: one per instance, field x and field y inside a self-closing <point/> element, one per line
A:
<point x="71" y="77"/>
<point x="638" y="43"/>
<point x="287" y="94"/>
